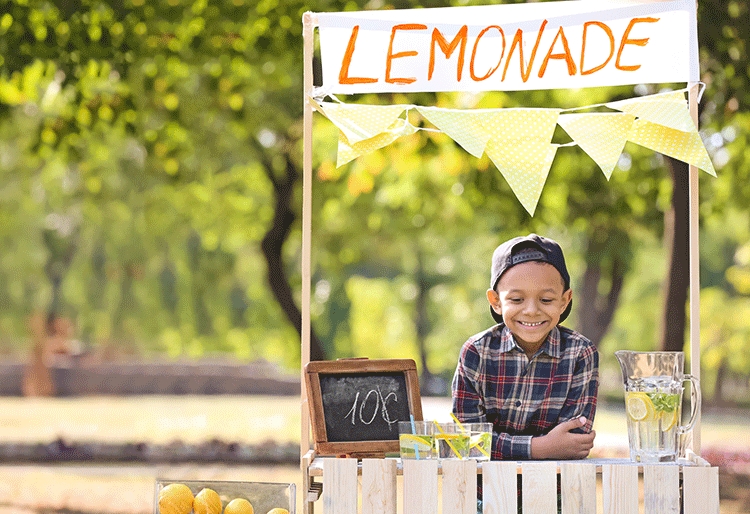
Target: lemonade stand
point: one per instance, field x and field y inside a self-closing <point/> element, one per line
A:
<point x="550" y="45"/>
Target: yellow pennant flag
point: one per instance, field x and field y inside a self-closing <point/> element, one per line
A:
<point x="524" y="165"/>
<point x="360" y="122"/>
<point x="463" y="126"/>
<point x="601" y="135"/>
<point x="668" y="109"/>
<point x="520" y="147"/>
<point x="684" y="146"/>
<point x="348" y="151"/>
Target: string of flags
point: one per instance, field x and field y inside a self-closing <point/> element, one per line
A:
<point x="518" y="141"/>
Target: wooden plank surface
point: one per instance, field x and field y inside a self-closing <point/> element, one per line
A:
<point x="340" y="486"/>
<point x="620" y="489"/>
<point x="661" y="489"/>
<point x="420" y="486"/>
<point x="499" y="487"/>
<point x="539" y="487"/>
<point x="459" y="486"/>
<point x="378" y="486"/>
<point x="578" y="488"/>
<point x="700" y="487"/>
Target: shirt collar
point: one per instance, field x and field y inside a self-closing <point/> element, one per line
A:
<point x="551" y="345"/>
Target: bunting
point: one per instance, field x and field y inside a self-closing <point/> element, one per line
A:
<point x="518" y="141"/>
<point x="601" y="135"/>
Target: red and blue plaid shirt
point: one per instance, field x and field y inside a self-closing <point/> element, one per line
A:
<point x="522" y="398"/>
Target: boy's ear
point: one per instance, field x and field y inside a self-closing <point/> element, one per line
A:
<point x="567" y="297"/>
<point x="494" y="300"/>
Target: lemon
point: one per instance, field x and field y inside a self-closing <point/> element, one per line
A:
<point x="639" y="406"/>
<point x="668" y="420"/>
<point x="207" y="501"/>
<point x="421" y="443"/>
<point x="175" y="499"/>
<point x="239" y="506"/>
<point x="278" y="510"/>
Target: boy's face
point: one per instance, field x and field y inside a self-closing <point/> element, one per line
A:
<point x="531" y="299"/>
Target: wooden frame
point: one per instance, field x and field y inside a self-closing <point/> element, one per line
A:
<point x="310" y="22"/>
<point x="314" y="369"/>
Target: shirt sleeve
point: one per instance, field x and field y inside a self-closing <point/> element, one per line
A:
<point x="584" y="386"/>
<point x="468" y="406"/>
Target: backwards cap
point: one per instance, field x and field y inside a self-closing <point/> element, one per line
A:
<point x="524" y="249"/>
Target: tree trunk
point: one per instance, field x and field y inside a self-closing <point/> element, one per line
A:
<point x="421" y="321"/>
<point x="596" y="311"/>
<point x="272" y="245"/>
<point x="676" y="241"/>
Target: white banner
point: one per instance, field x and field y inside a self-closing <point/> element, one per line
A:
<point x="511" y="47"/>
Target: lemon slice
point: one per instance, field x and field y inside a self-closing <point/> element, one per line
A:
<point x="668" y="420"/>
<point x="639" y="406"/>
<point x="418" y="441"/>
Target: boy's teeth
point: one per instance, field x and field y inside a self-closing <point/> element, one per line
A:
<point x="532" y="324"/>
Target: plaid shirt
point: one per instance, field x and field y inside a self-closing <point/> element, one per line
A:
<point x="522" y="398"/>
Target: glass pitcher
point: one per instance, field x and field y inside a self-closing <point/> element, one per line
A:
<point x="653" y="384"/>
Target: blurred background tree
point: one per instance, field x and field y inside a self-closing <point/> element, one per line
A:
<point x="150" y="173"/>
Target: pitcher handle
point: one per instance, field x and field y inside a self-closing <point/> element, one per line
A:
<point x="695" y="402"/>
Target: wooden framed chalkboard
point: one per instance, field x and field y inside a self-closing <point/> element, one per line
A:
<point x="356" y="404"/>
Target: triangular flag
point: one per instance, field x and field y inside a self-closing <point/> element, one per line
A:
<point x="348" y="151"/>
<point x="685" y="146"/>
<point x="518" y="124"/>
<point x="461" y="125"/>
<point x="668" y="109"/>
<point x="360" y="122"/>
<point x="525" y="166"/>
<point x="601" y="135"/>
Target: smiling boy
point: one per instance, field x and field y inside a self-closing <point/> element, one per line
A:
<point x="534" y="380"/>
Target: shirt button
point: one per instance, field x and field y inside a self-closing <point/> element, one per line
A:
<point x="518" y="403"/>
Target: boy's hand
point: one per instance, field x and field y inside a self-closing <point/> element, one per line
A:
<point x="562" y="443"/>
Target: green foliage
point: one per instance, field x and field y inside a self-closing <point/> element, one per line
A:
<point x="140" y="143"/>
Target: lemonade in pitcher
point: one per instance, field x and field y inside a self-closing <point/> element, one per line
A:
<point x="653" y="415"/>
<point x="653" y="383"/>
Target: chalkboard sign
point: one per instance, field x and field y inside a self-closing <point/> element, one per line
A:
<point x="356" y="404"/>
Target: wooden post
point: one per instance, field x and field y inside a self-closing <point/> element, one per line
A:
<point x="695" y="287"/>
<point x="308" y="32"/>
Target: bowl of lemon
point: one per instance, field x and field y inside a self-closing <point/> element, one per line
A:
<point x="223" y="497"/>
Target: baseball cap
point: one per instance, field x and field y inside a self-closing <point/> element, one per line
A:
<point x="524" y="249"/>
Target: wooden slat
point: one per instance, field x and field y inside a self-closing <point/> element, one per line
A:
<point x="459" y="487"/>
<point x="420" y="486"/>
<point x="620" y="489"/>
<point x="578" y="488"/>
<point x="499" y="487"/>
<point x="378" y="486"/>
<point x="340" y="486"/>
<point x="539" y="487"/>
<point x="661" y="489"/>
<point x="700" y="486"/>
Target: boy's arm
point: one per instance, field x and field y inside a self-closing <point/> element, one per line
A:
<point x="584" y="386"/>
<point x="468" y="406"/>
<point x="573" y="437"/>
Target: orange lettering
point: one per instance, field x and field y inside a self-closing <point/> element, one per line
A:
<point x="344" y="77"/>
<point x="448" y="49"/>
<point x="583" y="46"/>
<point x="474" y="53"/>
<point x="518" y="42"/>
<point x="389" y="58"/>
<point x="628" y="41"/>
<point x="565" y="55"/>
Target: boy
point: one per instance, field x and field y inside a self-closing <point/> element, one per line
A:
<point x="534" y="380"/>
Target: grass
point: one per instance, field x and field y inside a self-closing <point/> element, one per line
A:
<point x="33" y="489"/>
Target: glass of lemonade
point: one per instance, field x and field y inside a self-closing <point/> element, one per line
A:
<point x="653" y="406"/>
<point x="452" y="440"/>
<point x="480" y="444"/>
<point x="416" y="439"/>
